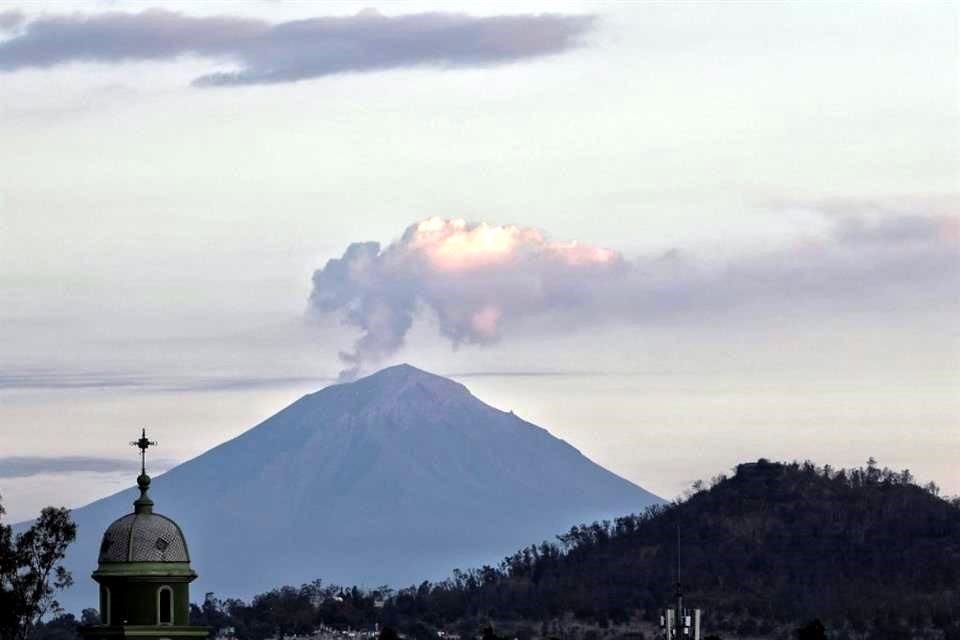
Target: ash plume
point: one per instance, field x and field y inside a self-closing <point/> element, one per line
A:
<point x="481" y="280"/>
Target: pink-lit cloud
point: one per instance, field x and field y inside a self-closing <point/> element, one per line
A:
<point x="479" y="280"/>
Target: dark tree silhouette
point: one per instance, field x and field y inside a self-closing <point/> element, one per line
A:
<point x="63" y="627"/>
<point x="488" y="633"/>
<point x="389" y="633"/>
<point x="813" y="630"/>
<point x="31" y="571"/>
<point x="765" y="549"/>
<point x="89" y="617"/>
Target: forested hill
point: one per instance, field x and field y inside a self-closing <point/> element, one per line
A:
<point x="867" y="551"/>
<point x="774" y="543"/>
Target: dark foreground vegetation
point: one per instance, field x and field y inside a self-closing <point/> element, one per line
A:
<point x="31" y="572"/>
<point x="764" y="553"/>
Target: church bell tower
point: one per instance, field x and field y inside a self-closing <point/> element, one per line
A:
<point x="144" y="574"/>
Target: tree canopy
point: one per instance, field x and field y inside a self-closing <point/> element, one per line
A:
<point x="772" y="547"/>
<point x="31" y="572"/>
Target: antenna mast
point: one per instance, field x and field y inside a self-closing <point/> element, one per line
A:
<point x="679" y="591"/>
<point x="677" y="623"/>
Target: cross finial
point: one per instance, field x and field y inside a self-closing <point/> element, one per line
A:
<point x="143" y="444"/>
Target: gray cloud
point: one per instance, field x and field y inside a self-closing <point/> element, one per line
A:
<point x="10" y="19"/>
<point x="295" y="50"/>
<point x="480" y="280"/>
<point x="64" y="380"/>
<point x="531" y="374"/>
<point x="28" y="466"/>
<point x="48" y="379"/>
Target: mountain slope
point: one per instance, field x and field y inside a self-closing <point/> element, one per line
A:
<point x="394" y="478"/>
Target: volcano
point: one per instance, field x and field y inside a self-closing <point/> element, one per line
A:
<point x="392" y="479"/>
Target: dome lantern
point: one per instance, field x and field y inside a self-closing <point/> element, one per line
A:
<point x="144" y="573"/>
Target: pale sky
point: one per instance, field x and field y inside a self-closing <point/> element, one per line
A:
<point x="777" y="181"/>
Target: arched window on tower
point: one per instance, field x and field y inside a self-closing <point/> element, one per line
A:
<point x="165" y="605"/>
<point x="107" y="606"/>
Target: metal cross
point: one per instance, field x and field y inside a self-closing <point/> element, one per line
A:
<point x="143" y="444"/>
